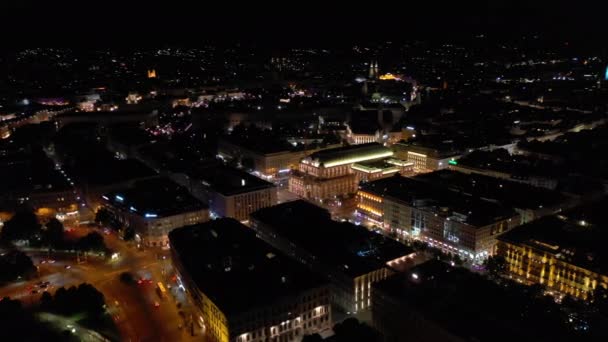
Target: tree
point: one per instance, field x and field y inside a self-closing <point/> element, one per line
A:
<point x="129" y="234"/>
<point x="312" y="338"/>
<point x="54" y="232"/>
<point x="22" y="226"/>
<point x="351" y="330"/>
<point x="46" y="301"/>
<point x="92" y="242"/>
<point x="127" y="278"/>
<point x="102" y="216"/>
<point x="496" y="265"/>
<point x="15" y="264"/>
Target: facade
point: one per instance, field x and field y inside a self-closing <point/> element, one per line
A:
<point x="328" y="173"/>
<point x="425" y="159"/>
<point x="369" y="171"/>
<point x="564" y="252"/>
<point x="538" y="181"/>
<point x="231" y="192"/>
<point x="153" y="208"/>
<point x="409" y="209"/>
<point x="283" y="300"/>
<point x="268" y="161"/>
<point x="352" y="257"/>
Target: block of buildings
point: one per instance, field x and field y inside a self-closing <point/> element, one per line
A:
<point x="231" y="192"/>
<point x="376" y="169"/>
<point x="565" y="252"/>
<point x="328" y="173"/>
<point x="437" y="302"/>
<point x="270" y="158"/>
<point x="426" y="158"/>
<point x="529" y="202"/>
<point x="351" y="256"/>
<point x="243" y="289"/>
<point x="30" y="177"/>
<point x="153" y="208"/>
<point x="410" y="209"/>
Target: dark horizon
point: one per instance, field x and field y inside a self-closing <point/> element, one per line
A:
<point x="311" y="25"/>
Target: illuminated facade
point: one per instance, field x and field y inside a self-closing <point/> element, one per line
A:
<point x="328" y="173"/>
<point x="283" y="300"/>
<point x="565" y="253"/>
<point x="230" y="192"/>
<point x="407" y="209"/>
<point x="425" y="159"/>
<point x="267" y="164"/>
<point x="370" y="171"/>
<point x="154" y="208"/>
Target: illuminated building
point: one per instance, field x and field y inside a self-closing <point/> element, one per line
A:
<point x="389" y="77"/>
<point x="373" y="70"/>
<point x="136" y="115"/>
<point x="31" y="178"/>
<point x="352" y="257"/>
<point x="328" y="173"/>
<point x="268" y="158"/>
<point x="564" y="252"/>
<point x="425" y="159"/>
<point x="231" y="192"/>
<point x="243" y="289"/>
<point x="151" y="73"/>
<point x="372" y="170"/>
<point x="407" y="208"/>
<point x="153" y="208"/>
<point x="133" y="98"/>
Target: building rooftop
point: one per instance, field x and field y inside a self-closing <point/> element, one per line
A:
<point x="577" y="236"/>
<point x="229" y="181"/>
<point x="385" y="165"/>
<point x="235" y="269"/>
<point x="352" y="249"/>
<point x="349" y="154"/>
<point x="156" y="197"/>
<point x="30" y="172"/>
<point x="439" y="149"/>
<point x="470" y="306"/>
<point x="259" y="143"/>
<point x="471" y="210"/>
<point x="514" y="194"/>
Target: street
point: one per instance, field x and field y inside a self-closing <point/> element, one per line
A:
<point x="133" y="306"/>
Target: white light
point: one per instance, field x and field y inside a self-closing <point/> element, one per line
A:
<point x="414" y="276"/>
<point x="119" y="198"/>
<point x="148" y="215"/>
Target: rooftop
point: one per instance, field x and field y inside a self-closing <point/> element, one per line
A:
<point x="386" y="165"/>
<point x="156" y="197"/>
<point x="349" y="154"/>
<point x="229" y="181"/>
<point x="486" y="311"/>
<point x="260" y="143"/>
<point x="515" y="194"/>
<point x="577" y="236"/>
<point x="350" y="248"/>
<point x="235" y="269"/>
<point x="471" y="210"/>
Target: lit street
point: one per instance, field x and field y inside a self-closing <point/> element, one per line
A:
<point x="131" y="305"/>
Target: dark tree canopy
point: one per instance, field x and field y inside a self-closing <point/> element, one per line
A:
<point x="23" y="225"/>
<point x="15" y="264"/>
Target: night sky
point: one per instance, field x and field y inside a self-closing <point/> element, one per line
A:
<point x="283" y="23"/>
